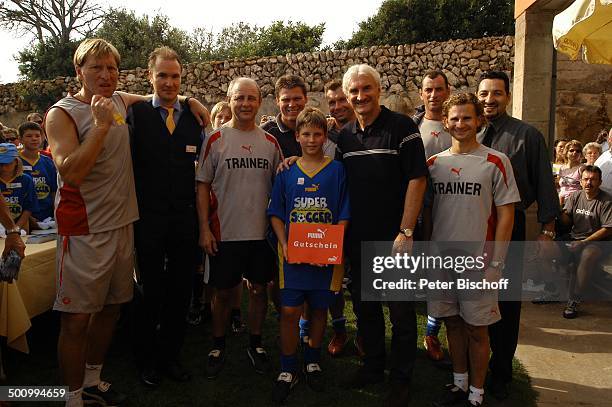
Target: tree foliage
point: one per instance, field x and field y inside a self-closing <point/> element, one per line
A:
<point x="136" y="36"/>
<point x="53" y="20"/>
<point x="412" y="21"/>
<point x="243" y="40"/>
<point x="47" y="60"/>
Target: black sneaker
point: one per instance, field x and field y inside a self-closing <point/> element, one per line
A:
<point x="314" y="377"/>
<point x="259" y="359"/>
<point x="194" y="316"/>
<point x="285" y="382"/>
<point x="150" y="377"/>
<point x="571" y="309"/>
<point x="215" y="362"/>
<point x="452" y="395"/>
<point x="237" y="326"/>
<point x="103" y="395"/>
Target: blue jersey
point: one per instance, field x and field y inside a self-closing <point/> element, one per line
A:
<point x="44" y="175"/>
<point x="19" y="195"/>
<point x="302" y="197"/>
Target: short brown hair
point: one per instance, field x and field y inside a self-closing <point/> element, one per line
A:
<point x="25" y="126"/>
<point x="289" y="82"/>
<point x="464" y="98"/>
<point x="163" y="52"/>
<point x="94" y="47"/>
<point x="433" y="74"/>
<point x="333" y="85"/>
<point x="311" y="116"/>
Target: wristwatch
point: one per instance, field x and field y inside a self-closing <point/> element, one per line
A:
<point x="14" y="230"/>
<point x="497" y="264"/>
<point x="407" y="232"/>
<point x="549" y="233"/>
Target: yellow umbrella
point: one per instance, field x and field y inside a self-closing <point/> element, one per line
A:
<point x="586" y="25"/>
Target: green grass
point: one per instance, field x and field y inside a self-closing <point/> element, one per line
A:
<point x="238" y="384"/>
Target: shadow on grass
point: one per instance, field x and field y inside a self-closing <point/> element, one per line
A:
<point x="238" y="385"/>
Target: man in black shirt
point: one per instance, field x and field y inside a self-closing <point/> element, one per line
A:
<point x="386" y="171"/>
<point x="526" y="148"/>
<point x="339" y="108"/>
<point x="290" y="93"/>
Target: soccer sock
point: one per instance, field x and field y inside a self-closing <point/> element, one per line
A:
<point x="461" y="380"/>
<point x="476" y="395"/>
<point x="311" y="355"/>
<point x="219" y="342"/>
<point x="339" y="325"/>
<point x="255" y="341"/>
<point x="236" y="314"/>
<point x="304" y="327"/>
<point x="75" y="398"/>
<point x="289" y="363"/>
<point x="433" y="326"/>
<point x="92" y="375"/>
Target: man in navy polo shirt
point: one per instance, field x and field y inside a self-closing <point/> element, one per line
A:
<point x="384" y="158"/>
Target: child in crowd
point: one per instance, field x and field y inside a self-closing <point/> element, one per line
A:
<point x="40" y="168"/>
<point x="17" y="188"/>
<point x="314" y="176"/>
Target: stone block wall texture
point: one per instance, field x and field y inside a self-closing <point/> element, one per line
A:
<point x="581" y="108"/>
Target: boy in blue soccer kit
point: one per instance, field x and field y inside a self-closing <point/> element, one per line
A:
<point x="312" y="191"/>
<point x="40" y="168"/>
<point x="16" y="187"/>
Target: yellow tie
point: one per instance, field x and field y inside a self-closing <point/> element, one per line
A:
<point x="170" y="120"/>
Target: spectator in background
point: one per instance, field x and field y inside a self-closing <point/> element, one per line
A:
<point x="589" y="212"/>
<point x="11" y="136"/>
<point x="38" y="119"/>
<point x="220" y="114"/>
<point x="569" y="174"/>
<point x="41" y="169"/>
<point x="591" y="152"/>
<point x="558" y="156"/>
<point x="16" y="187"/>
<point x="602" y="138"/>
<point x="604" y="162"/>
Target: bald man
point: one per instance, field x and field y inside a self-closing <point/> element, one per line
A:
<point x="236" y="172"/>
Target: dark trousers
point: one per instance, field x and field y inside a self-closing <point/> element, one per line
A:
<point x="371" y="326"/>
<point x="504" y="334"/>
<point x="165" y="252"/>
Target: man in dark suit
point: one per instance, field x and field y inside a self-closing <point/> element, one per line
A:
<point x="166" y="140"/>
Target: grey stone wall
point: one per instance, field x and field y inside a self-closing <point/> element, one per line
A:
<point x="401" y="67"/>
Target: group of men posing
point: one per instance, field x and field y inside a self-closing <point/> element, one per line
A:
<point x="106" y="185"/>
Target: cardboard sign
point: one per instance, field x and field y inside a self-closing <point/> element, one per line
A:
<point x="315" y="243"/>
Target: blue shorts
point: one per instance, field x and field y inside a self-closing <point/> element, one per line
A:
<point x="317" y="299"/>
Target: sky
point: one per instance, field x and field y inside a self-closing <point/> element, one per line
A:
<point x="341" y="18"/>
